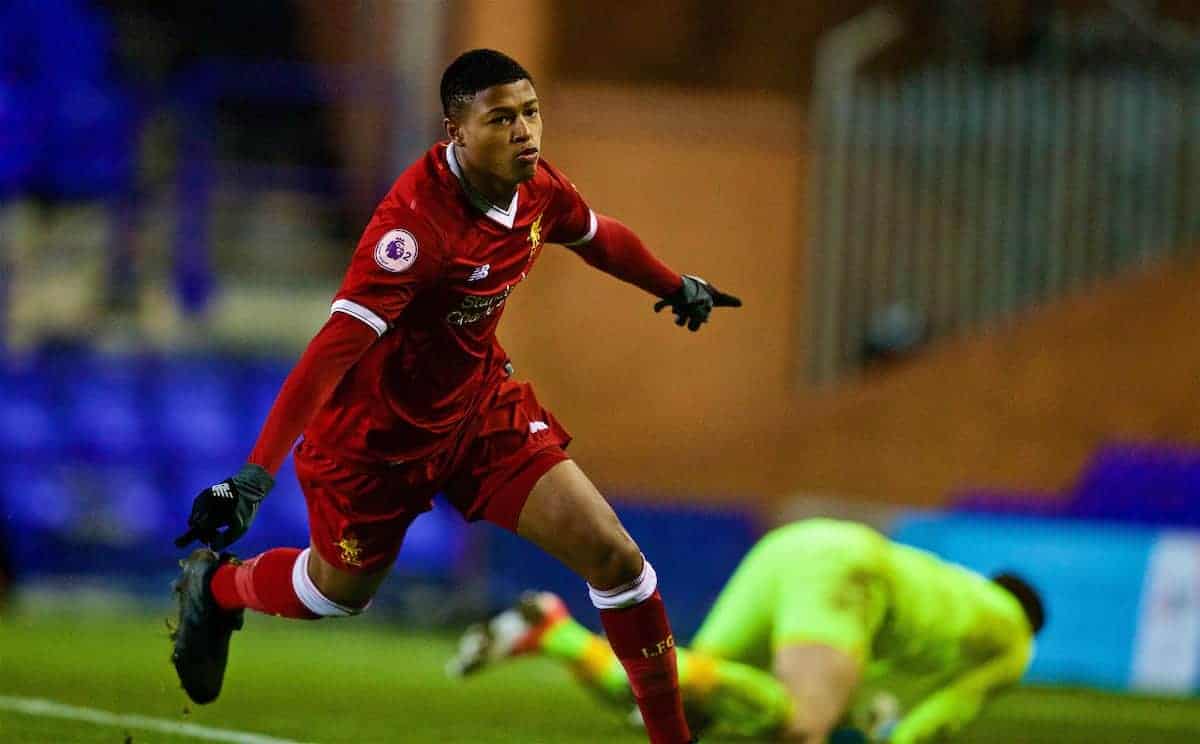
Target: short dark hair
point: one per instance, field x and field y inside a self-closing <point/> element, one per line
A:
<point x="1029" y="598"/>
<point x="473" y="71"/>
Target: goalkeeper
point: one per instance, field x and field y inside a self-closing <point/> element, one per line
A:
<point x="826" y="627"/>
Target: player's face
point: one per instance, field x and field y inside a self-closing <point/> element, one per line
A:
<point x="500" y="133"/>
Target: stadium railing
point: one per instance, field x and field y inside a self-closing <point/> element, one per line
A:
<point x="947" y="197"/>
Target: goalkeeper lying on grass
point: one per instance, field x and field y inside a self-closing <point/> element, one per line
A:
<point x="821" y="630"/>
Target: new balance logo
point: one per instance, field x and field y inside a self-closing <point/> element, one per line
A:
<point x="480" y="272"/>
<point x="222" y="491"/>
<point x="536" y="426"/>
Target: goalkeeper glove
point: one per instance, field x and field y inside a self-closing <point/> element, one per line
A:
<point x="693" y="302"/>
<point x="230" y="504"/>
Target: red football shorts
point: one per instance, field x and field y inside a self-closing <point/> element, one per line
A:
<point x="358" y="514"/>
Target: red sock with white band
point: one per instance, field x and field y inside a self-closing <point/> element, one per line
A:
<point x="275" y="583"/>
<point x="262" y="583"/>
<point x="635" y="620"/>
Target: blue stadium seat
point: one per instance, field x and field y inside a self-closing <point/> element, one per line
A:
<point x="89" y="147"/>
<point x="29" y="430"/>
<point x="37" y="497"/>
<point x="80" y="518"/>
<point x="106" y="413"/>
<point x="195" y="410"/>
<point x="436" y="543"/>
<point x="115" y="506"/>
<point x="75" y="123"/>
<point x="20" y="138"/>
<point x="287" y="491"/>
<point x="38" y="504"/>
<point x="260" y="386"/>
<point x="126" y="502"/>
<point x="1142" y="483"/>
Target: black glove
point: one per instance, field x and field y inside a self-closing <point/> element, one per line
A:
<point x="693" y="302"/>
<point x="231" y="504"/>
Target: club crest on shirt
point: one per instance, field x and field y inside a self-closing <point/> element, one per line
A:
<point x="535" y="236"/>
<point x="396" y="251"/>
<point x="351" y="551"/>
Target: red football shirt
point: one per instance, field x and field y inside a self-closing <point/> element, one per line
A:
<point x="430" y="275"/>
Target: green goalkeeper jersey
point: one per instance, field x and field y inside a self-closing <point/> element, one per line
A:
<point x="940" y="631"/>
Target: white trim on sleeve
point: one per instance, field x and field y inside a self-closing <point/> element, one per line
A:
<point x="593" y="223"/>
<point x="355" y="310"/>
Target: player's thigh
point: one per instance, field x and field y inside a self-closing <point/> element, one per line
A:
<point x="357" y="520"/>
<point x="350" y="589"/>
<point x="516" y="474"/>
<point x="566" y="516"/>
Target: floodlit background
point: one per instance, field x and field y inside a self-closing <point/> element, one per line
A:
<point x="965" y="232"/>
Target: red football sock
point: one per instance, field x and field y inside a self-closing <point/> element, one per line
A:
<point x="262" y="583"/>
<point x="641" y="638"/>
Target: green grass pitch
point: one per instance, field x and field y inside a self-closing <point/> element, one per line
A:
<point x="363" y="681"/>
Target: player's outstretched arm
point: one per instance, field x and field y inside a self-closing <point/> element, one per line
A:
<point x="948" y="710"/>
<point x="223" y="512"/>
<point x="617" y="250"/>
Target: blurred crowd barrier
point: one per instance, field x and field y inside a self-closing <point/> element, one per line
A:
<point x="1122" y="600"/>
<point x="1116" y="556"/>
<point x="1139" y="483"/>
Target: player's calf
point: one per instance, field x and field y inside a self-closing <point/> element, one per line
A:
<point x="635" y="620"/>
<point x="568" y="518"/>
<point x="277" y="582"/>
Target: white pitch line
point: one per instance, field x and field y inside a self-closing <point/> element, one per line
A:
<point x="51" y="709"/>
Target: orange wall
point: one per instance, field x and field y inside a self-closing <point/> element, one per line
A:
<point x="1022" y="406"/>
